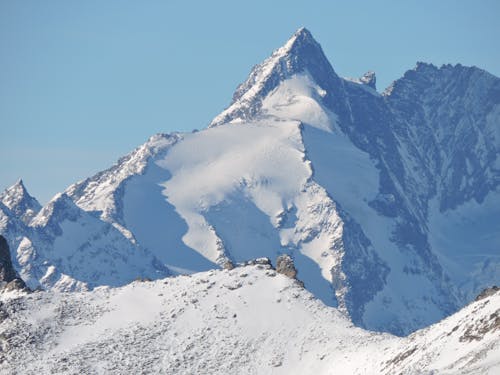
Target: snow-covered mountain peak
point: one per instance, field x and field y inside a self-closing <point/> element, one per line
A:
<point x="14" y="194"/>
<point x="20" y="202"/>
<point x="60" y="203"/>
<point x="299" y="55"/>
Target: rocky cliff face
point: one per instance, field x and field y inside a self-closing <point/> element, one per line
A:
<point x="9" y="280"/>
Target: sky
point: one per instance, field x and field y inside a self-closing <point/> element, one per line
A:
<point x="85" y="82"/>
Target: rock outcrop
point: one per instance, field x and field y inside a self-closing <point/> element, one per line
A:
<point x="285" y="266"/>
<point x="487" y="292"/>
<point x="9" y="280"/>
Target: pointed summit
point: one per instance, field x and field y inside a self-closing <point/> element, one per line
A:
<point x="20" y="202"/>
<point x="60" y="204"/>
<point x="18" y="187"/>
<point x="301" y="38"/>
<point x="300" y="54"/>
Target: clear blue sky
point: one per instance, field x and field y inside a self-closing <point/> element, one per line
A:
<point x="84" y="82"/>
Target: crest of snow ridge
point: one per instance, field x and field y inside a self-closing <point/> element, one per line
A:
<point x="300" y="53"/>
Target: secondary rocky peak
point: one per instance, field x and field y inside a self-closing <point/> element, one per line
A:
<point x="61" y="204"/>
<point x="14" y="193"/>
<point x="369" y="79"/>
<point x="7" y="272"/>
<point x="20" y="183"/>
<point x="422" y="66"/>
<point x="20" y="202"/>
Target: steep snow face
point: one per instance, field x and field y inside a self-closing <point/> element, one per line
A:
<point x="298" y="98"/>
<point x="18" y="200"/>
<point x="155" y="223"/>
<point x="102" y="192"/>
<point x="246" y="193"/>
<point x="300" y="54"/>
<point x="247" y="320"/>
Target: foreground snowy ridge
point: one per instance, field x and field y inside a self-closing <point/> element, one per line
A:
<point x="372" y="194"/>
<point x="248" y="320"/>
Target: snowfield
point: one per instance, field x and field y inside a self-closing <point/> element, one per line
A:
<point x="248" y="320"/>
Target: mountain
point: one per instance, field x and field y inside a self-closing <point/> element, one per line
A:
<point x="248" y="320"/>
<point x="388" y="202"/>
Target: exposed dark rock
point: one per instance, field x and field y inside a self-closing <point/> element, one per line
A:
<point x="258" y="261"/>
<point x="262" y="261"/>
<point x="285" y="266"/>
<point x="476" y="332"/>
<point x="16" y="284"/>
<point x="7" y="272"/>
<point x="401" y="356"/>
<point x="9" y="280"/>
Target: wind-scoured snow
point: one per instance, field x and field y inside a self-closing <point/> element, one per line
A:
<point x="246" y="320"/>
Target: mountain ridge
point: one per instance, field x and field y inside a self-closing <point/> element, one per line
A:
<point x="249" y="319"/>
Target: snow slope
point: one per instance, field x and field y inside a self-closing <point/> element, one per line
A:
<point x="372" y="194"/>
<point x="247" y="320"/>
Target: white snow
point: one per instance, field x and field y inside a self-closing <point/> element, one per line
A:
<point x="261" y="161"/>
<point x="247" y="320"/>
<point x="255" y="83"/>
<point x="297" y="99"/>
